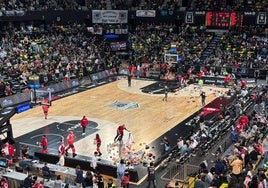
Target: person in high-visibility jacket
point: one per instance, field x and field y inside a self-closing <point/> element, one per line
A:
<point x="70" y="141"/>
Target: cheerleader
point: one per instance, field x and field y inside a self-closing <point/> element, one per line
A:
<point x="97" y="141"/>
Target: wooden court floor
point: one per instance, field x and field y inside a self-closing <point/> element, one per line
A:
<point x="151" y="119"/>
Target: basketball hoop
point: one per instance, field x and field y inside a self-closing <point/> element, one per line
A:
<point x="41" y="97"/>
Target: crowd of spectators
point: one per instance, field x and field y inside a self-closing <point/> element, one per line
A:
<point x="55" y="53"/>
<point x="225" y="5"/>
<point x="59" y="53"/>
<point x="238" y="165"/>
<point x="195" y="5"/>
<point x="146" y="41"/>
<point x="245" y="47"/>
<point x="41" y="5"/>
<point x="191" y="43"/>
<point x="87" y="4"/>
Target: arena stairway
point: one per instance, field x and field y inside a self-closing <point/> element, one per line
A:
<point x="211" y="47"/>
<point x="167" y="42"/>
<point x="108" y="5"/>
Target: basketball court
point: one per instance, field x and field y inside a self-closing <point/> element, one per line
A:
<point x="139" y="107"/>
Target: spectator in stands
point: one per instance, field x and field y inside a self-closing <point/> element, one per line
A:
<point x="199" y="183"/>
<point x="248" y="178"/>
<point x="219" y="167"/>
<point x="237" y="167"/>
<point x="45" y="169"/>
<point x="243" y="83"/>
<point x="234" y="136"/>
<point x="25" y="151"/>
<point x="254" y="182"/>
<point x="243" y="93"/>
<point x="4" y="182"/>
<point x="25" y="164"/>
<point x="126" y="180"/>
<point x="99" y="180"/>
<point x="9" y="150"/>
<point x="79" y="176"/>
<point x="58" y="182"/>
<point x="240" y="127"/>
<point x="89" y="180"/>
<point x="261" y="120"/>
<point x="180" y="143"/>
<point x="193" y="144"/>
<point x="253" y="153"/>
<point x="184" y="149"/>
<point x="245" y="157"/>
<point x="243" y="119"/>
<point x="265" y="149"/>
<point x="110" y="184"/>
<point x="259" y="109"/>
<point x="151" y="175"/>
<point x="37" y="183"/>
<point x="227" y="80"/>
<point x="28" y="181"/>
<point x="208" y="177"/>
<point x="263" y="180"/>
<point x="202" y="120"/>
<point x="165" y="145"/>
<point x="203" y="135"/>
<point x="236" y="149"/>
<point x="120" y="170"/>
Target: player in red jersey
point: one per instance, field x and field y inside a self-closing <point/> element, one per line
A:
<point x="45" y="108"/>
<point x="70" y="141"/>
<point x="44" y="144"/>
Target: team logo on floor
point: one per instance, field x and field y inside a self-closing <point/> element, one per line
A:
<point x="123" y="105"/>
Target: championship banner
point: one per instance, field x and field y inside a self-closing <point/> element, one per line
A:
<point x="145" y="13"/>
<point x="110" y="16"/>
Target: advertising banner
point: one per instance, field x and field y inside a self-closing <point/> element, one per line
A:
<point x="110" y="16"/>
<point x="145" y="13"/>
<point x="24" y="97"/>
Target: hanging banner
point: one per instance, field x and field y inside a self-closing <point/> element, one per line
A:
<point x="261" y="18"/>
<point x="145" y="13"/>
<point x="110" y="16"/>
<point x="189" y="18"/>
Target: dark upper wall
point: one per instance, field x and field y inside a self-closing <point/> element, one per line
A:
<point x="78" y="16"/>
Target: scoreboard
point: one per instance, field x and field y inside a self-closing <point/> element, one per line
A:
<point x="224" y="19"/>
